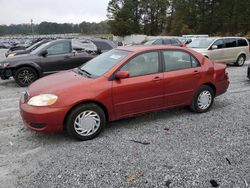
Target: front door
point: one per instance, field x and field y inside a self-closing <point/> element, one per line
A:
<point x="142" y="91"/>
<point x="58" y="57"/>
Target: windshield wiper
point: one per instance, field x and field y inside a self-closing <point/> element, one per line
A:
<point x="82" y="71"/>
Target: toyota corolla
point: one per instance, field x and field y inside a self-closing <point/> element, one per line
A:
<point x="123" y="82"/>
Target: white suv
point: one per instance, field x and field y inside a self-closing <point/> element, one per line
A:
<point x="230" y="50"/>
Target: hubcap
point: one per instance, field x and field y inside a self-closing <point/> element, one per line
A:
<point x="204" y="100"/>
<point x="87" y="123"/>
<point x="241" y="61"/>
<point x="26" y="77"/>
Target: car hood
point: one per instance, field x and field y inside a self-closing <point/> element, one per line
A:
<point x="23" y="57"/>
<point x="60" y="83"/>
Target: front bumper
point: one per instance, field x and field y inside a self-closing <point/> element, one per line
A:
<point x="5" y="73"/>
<point x="42" y="119"/>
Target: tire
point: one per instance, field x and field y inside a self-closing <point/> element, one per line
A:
<point x="240" y="60"/>
<point x="93" y="118"/>
<point x="24" y="76"/>
<point x="200" y="105"/>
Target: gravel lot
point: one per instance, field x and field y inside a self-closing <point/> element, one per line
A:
<point x="180" y="148"/>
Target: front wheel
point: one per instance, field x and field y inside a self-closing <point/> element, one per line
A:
<point x="240" y="61"/>
<point x="203" y="99"/>
<point x="24" y="76"/>
<point x="85" y="121"/>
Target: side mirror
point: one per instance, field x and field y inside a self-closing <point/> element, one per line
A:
<point x="44" y="53"/>
<point x="99" y="51"/>
<point x="121" y="75"/>
<point x="74" y="52"/>
<point x="214" y="47"/>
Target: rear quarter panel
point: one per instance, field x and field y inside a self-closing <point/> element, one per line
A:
<point x="221" y="79"/>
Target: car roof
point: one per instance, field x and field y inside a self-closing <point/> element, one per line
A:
<point x="141" y="48"/>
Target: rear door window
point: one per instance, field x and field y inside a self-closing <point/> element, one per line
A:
<point x="158" y="41"/>
<point x="175" y="42"/>
<point x="230" y="43"/>
<point x="167" y="41"/>
<point x="178" y="60"/>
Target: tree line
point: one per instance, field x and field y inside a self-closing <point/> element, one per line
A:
<point x="56" y="28"/>
<point x="178" y="17"/>
<point x="156" y="17"/>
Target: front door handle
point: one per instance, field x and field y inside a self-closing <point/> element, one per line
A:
<point x="196" y="73"/>
<point x="66" y="57"/>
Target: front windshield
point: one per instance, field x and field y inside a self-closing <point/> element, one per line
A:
<point x="201" y="43"/>
<point x="39" y="48"/>
<point x="104" y="62"/>
<point x="34" y="45"/>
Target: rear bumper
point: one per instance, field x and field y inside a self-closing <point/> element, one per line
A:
<point x="221" y="87"/>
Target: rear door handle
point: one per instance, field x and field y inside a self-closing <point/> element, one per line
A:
<point x="157" y="78"/>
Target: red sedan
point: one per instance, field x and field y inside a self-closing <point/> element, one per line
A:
<point x="120" y="83"/>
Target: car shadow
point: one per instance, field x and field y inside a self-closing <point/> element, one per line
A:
<point x="8" y="83"/>
<point x="144" y="119"/>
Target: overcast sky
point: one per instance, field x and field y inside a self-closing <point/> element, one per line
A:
<point x="61" y="11"/>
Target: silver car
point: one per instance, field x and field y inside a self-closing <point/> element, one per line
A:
<point x="229" y="50"/>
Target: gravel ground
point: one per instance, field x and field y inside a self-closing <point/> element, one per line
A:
<point x="178" y="149"/>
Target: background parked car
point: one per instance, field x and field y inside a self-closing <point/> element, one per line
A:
<point x="48" y="58"/>
<point x="103" y="45"/>
<point x="230" y="50"/>
<point x="164" y="41"/>
<point x="85" y="44"/>
<point x="10" y="52"/>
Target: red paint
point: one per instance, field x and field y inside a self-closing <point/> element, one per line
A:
<point x="123" y="97"/>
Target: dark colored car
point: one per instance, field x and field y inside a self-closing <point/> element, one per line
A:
<point x="164" y="41"/>
<point x="11" y="53"/>
<point x="103" y="45"/>
<point x="121" y="83"/>
<point x="48" y="58"/>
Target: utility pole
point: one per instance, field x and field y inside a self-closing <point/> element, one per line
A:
<point x="32" y="29"/>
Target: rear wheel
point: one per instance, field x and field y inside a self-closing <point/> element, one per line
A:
<point x="24" y="76"/>
<point x="241" y="60"/>
<point x="203" y="99"/>
<point x="85" y="121"/>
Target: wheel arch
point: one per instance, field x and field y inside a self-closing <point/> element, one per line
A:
<point x="102" y="106"/>
<point x="32" y="65"/>
<point x="212" y="86"/>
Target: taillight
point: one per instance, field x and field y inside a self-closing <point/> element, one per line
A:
<point x="226" y="74"/>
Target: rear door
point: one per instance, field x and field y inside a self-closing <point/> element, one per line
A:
<point x="182" y="75"/>
<point x="143" y="90"/>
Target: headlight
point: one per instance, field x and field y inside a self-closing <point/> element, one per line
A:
<point x="4" y="64"/>
<point x="43" y="100"/>
<point x="11" y="55"/>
